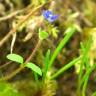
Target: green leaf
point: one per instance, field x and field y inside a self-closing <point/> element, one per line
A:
<point x="34" y="68"/>
<point x="15" y="57"/>
<point x="46" y="62"/>
<point x="43" y="34"/>
<point x="66" y="67"/>
<point x="69" y="32"/>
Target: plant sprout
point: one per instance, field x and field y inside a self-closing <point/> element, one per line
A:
<point x="30" y="65"/>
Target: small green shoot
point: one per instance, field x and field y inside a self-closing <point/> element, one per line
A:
<point x="64" y="68"/>
<point x="85" y="64"/>
<point x="48" y="60"/>
<point x="46" y="63"/>
<point x="42" y="34"/>
<point x="19" y="59"/>
<point x="69" y="32"/>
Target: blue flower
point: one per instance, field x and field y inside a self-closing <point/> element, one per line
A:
<point x="48" y="15"/>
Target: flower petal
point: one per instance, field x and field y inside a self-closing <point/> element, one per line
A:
<point x="48" y="15"/>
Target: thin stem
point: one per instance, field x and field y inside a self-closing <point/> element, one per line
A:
<point x="64" y="68"/>
<point x="70" y="31"/>
<point x="12" y="74"/>
<point x="36" y="78"/>
<point x="79" y="80"/>
<point x="84" y="61"/>
<point x="12" y="14"/>
<point x="84" y="86"/>
<point x="33" y="52"/>
<point x="6" y="64"/>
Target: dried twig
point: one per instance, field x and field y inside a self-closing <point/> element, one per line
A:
<point x="12" y="14"/>
<point x="6" y="64"/>
<point x="33" y="52"/>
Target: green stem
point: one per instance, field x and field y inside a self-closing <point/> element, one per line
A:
<point x="36" y="78"/>
<point x="70" y="31"/>
<point x="84" y="86"/>
<point x="67" y="66"/>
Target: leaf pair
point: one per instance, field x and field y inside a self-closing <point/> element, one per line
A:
<point x="19" y="59"/>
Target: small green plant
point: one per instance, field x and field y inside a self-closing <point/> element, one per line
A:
<point x="53" y="16"/>
<point x="85" y="65"/>
<point x="19" y="59"/>
<point x="48" y="75"/>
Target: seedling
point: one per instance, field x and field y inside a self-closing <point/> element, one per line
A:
<point x="20" y="60"/>
<point x="48" y="76"/>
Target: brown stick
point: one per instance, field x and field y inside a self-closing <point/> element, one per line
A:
<point x="6" y="64"/>
<point x="33" y="52"/>
<point x="12" y="14"/>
